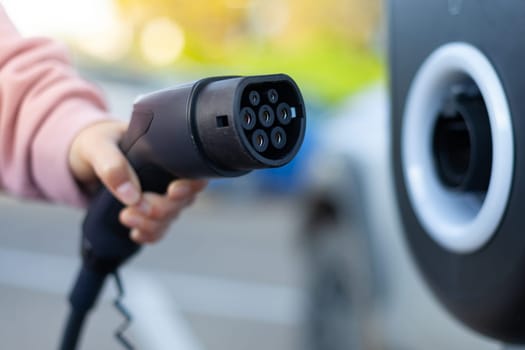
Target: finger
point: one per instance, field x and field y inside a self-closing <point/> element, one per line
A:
<point x="181" y="189"/>
<point x="160" y="207"/>
<point x="133" y="219"/>
<point x="143" y="237"/>
<point x="115" y="172"/>
<point x="97" y="153"/>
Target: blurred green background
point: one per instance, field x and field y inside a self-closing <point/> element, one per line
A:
<point x="327" y="46"/>
<point x="330" y="47"/>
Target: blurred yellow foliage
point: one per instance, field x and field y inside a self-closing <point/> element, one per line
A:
<point x="326" y="43"/>
<point x="286" y="20"/>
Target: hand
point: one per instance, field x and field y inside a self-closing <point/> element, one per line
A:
<point x="95" y="155"/>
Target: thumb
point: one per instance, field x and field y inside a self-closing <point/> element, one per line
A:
<point x="95" y="154"/>
<point x="115" y="172"/>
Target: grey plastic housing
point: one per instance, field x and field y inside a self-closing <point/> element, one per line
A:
<point x="195" y="130"/>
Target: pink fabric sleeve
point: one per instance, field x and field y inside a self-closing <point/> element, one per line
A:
<point x="43" y="105"/>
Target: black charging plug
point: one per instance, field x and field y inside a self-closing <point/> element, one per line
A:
<point x="215" y="127"/>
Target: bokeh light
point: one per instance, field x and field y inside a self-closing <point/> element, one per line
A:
<point x="109" y="43"/>
<point x="161" y="41"/>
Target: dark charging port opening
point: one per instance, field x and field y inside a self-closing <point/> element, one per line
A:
<point x="462" y="142"/>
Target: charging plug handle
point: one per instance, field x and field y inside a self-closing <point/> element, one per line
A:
<point x="190" y="131"/>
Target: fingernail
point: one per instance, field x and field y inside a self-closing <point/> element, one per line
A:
<point x="130" y="219"/>
<point x="144" y="207"/>
<point x="179" y="191"/>
<point x="128" y="193"/>
<point x="135" y="235"/>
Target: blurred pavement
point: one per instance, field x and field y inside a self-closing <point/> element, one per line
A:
<point x="227" y="276"/>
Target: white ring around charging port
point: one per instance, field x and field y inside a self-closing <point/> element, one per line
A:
<point x="459" y="222"/>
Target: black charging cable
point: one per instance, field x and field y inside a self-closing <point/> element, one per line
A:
<point x="119" y="333"/>
<point x="82" y="299"/>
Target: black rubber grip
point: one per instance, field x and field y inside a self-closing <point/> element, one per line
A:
<point x="106" y="243"/>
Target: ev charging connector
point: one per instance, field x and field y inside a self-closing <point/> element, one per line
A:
<point x="215" y="127"/>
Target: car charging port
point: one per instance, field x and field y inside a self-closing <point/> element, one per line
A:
<point x="457" y="148"/>
<point x="462" y="144"/>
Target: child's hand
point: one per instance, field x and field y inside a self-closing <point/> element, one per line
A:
<point x="94" y="155"/>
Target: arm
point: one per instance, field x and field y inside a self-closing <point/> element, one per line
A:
<point x="56" y="136"/>
<point x="43" y="105"/>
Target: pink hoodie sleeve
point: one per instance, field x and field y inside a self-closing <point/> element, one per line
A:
<point x="43" y="105"/>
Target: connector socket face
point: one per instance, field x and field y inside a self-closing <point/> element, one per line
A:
<point x="246" y="123"/>
<point x="280" y="114"/>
